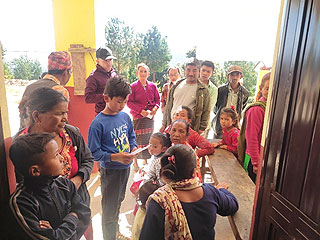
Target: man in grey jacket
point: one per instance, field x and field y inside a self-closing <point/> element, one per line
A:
<point x="192" y="93"/>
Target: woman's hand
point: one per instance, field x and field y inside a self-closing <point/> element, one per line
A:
<point x="44" y="224"/>
<point x="144" y="113"/>
<point x="216" y="144"/>
<point x="162" y="129"/>
<point x="154" y="110"/>
<point x="223" y="147"/>
<point x="255" y="169"/>
<point x="222" y="185"/>
<point x="77" y="180"/>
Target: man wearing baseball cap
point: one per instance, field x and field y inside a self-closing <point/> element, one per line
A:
<point x="97" y="80"/>
<point x="59" y="73"/>
<point x="231" y="94"/>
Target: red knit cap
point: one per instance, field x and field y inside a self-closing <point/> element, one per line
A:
<point x="59" y="61"/>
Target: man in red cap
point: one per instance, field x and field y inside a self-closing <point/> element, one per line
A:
<point x="59" y="73"/>
<point x="230" y="94"/>
<point x="97" y="80"/>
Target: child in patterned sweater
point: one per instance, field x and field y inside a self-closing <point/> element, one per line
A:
<point x="229" y="122"/>
<point x="159" y="143"/>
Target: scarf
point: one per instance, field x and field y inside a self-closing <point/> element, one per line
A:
<point x="175" y="222"/>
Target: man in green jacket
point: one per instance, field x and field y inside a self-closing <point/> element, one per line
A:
<point x="192" y="93"/>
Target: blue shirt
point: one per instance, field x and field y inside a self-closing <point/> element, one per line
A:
<point x="111" y="134"/>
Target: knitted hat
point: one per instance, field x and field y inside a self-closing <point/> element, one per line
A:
<point x="59" y="61"/>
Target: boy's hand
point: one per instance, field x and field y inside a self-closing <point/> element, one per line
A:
<point x="123" y="157"/>
<point x="77" y="180"/>
<point x="44" y="224"/>
<point x="222" y="185"/>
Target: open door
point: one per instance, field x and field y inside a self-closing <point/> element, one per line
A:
<point x="288" y="204"/>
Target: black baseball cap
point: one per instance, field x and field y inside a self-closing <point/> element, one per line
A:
<point x="104" y="53"/>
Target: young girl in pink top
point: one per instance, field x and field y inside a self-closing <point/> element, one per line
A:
<point x="229" y="122"/>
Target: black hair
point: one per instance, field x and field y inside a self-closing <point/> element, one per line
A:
<point x="26" y="149"/>
<point x="264" y="79"/>
<point x="56" y="71"/>
<point x="182" y="166"/>
<point x="231" y="112"/>
<point x="117" y="87"/>
<point x="189" y="111"/>
<point x="195" y="62"/>
<point x="42" y="75"/>
<point x="163" y="138"/>
<point x="208" y="64"/>
<point x="181" y="120"/>
<point x="145" y="191"/>
<point x="42" y="100"/>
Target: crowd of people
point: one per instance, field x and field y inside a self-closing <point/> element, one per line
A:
<point x="53" y="162"/>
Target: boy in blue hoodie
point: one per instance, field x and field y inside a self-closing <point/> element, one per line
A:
<point x="111" y="141"/>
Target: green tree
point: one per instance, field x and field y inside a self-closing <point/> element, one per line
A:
<point x="219" y="75"/>
<point x="155" y="51"/>
<point x="134" y="58"/>
<point x="120" y="38"/>
<point x="250" y="76"/>
<point x="7" y="72"/>
<point x="25" y="68"/>
<point x="192" y="53"/>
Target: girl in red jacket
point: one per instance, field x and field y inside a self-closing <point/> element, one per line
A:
<point x="229" y="122"/>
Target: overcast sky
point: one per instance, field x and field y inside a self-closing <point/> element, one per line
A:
<point x="221" y="29"/>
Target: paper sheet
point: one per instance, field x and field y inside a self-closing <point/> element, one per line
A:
<point x="139" y="150"/>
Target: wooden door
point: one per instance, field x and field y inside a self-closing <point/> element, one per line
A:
<point x="288" y="204"/>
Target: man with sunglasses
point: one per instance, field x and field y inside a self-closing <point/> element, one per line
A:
<point x="59" y="73"/>
<point x="97" y="80"/>
<point x="230" y="94"/>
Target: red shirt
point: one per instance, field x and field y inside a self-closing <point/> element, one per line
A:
<point x="230" y="138"/>
<point x="204" y="147"/>
<point x="195" y="140"/>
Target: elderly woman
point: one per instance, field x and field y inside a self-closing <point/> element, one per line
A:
<point x="143" y="103"/>
<point x="179" y="133"/>
<point x="47" y="111"/>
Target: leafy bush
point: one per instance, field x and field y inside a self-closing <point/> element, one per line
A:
<point x="25" y="68"/>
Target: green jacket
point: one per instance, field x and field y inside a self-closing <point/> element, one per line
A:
<point x="201" y="113"/>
